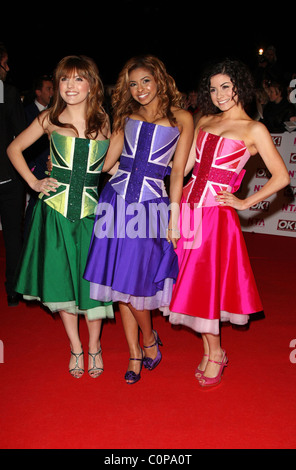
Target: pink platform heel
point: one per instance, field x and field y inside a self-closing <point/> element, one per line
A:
<point x="198" y="372"/>
<point x="213" y="381"/>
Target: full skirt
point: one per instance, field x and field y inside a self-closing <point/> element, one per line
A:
<point x="53" y="261"/>
<point x="215" y="281"/>
<point x="130" y="259"/>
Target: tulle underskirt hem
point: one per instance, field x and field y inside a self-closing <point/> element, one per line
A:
<point x="96" y="313"/>
<point x="205" y="325"/>
<point x="161" y="299"/>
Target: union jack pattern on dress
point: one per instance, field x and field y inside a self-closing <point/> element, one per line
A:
<point x="216" y="171"/>
<point x="77" y="164"/>
<point x="148" y="149"/>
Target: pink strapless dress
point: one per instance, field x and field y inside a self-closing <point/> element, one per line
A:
<point x="215" y="281"/>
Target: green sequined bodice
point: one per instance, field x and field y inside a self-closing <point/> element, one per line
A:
<point x="77" y="164"/>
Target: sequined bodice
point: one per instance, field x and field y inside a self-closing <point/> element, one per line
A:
<point x="77" y="164"/>
<point x="218" y="167"/>
<point x="148" y="149"/>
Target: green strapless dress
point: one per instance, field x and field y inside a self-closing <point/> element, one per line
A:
<point x="55" y="253"/>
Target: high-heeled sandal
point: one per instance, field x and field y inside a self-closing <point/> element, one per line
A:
<point x="212" y="381"/>
<point x="95" y="371"/>
<point x="148" y="362"/>
<point x="77" y="371"/>
<point x="130" y="376"/>
<point x="198" y="372"/>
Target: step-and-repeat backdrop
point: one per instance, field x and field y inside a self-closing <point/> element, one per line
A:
<point x="276" y="215"/>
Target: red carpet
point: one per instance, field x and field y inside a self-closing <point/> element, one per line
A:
<point x="43" y="407"/>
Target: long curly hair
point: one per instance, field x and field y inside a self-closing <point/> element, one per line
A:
<point x="124" y="104"/>
<point x="96" y="117"/>
<point x="240" y="76"/>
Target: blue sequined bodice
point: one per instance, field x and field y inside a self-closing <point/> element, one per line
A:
<point x="148" y="149"/>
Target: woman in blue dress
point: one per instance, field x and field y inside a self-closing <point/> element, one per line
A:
<point x="131" y="258"/>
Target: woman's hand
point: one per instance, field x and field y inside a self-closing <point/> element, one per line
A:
<point x="45" y="186"/>
<point x="49" y="165"/>
<point x="173" y="235"/>
<point x="228" y="199"/>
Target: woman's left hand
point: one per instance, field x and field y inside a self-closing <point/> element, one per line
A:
<point x="228" y="199"/>
<point x="173" y="235"/>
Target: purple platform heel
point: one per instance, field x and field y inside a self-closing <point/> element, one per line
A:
<point x="148" y="362"/>
<point x="130" y="376"/>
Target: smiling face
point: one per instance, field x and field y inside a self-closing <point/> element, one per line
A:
<point x="222" y="92"/>
<point x="142" y="86"/>
<point x="74" y="89"/>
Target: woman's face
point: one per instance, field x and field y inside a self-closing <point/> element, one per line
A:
<point x="74" y="89"/>
<point x="222" y="93"/>
<point x="142" y="86"/>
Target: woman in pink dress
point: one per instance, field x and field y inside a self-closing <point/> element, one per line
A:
<point x="215" y="281"/>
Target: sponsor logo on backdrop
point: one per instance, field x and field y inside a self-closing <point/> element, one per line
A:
<point x="277" y="140"/>
<point x="261" y="206"/>
<point x="289" y="208"/>
<point x="257" y="187"/>
<point x="256" y="222"/>
<point x="287" y="225"/>
<point x="290" y="191"/>
<point x="262" y="173"/>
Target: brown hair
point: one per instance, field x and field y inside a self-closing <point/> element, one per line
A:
<point x="85" y="67"/>
<point x="124" y="104"/>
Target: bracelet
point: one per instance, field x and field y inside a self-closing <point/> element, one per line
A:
<point x="174" y="230"/>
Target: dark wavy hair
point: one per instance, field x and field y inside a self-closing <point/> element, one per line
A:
<point x="240" y="76"/>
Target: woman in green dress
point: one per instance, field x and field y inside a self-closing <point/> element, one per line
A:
<point x="54" y="256"/>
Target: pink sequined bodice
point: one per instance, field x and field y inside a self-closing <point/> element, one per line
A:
<point x="218" y="167"/>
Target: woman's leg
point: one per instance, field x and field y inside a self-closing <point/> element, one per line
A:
<point x="143" y="319"/>
<point x="204" y="360"/>
<point x="131" y="330"/>
<point x="70" y="322"/>
<point x="94" y="331"/>
<point x="95" y="360"/>
<point x="212" y="347"/>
